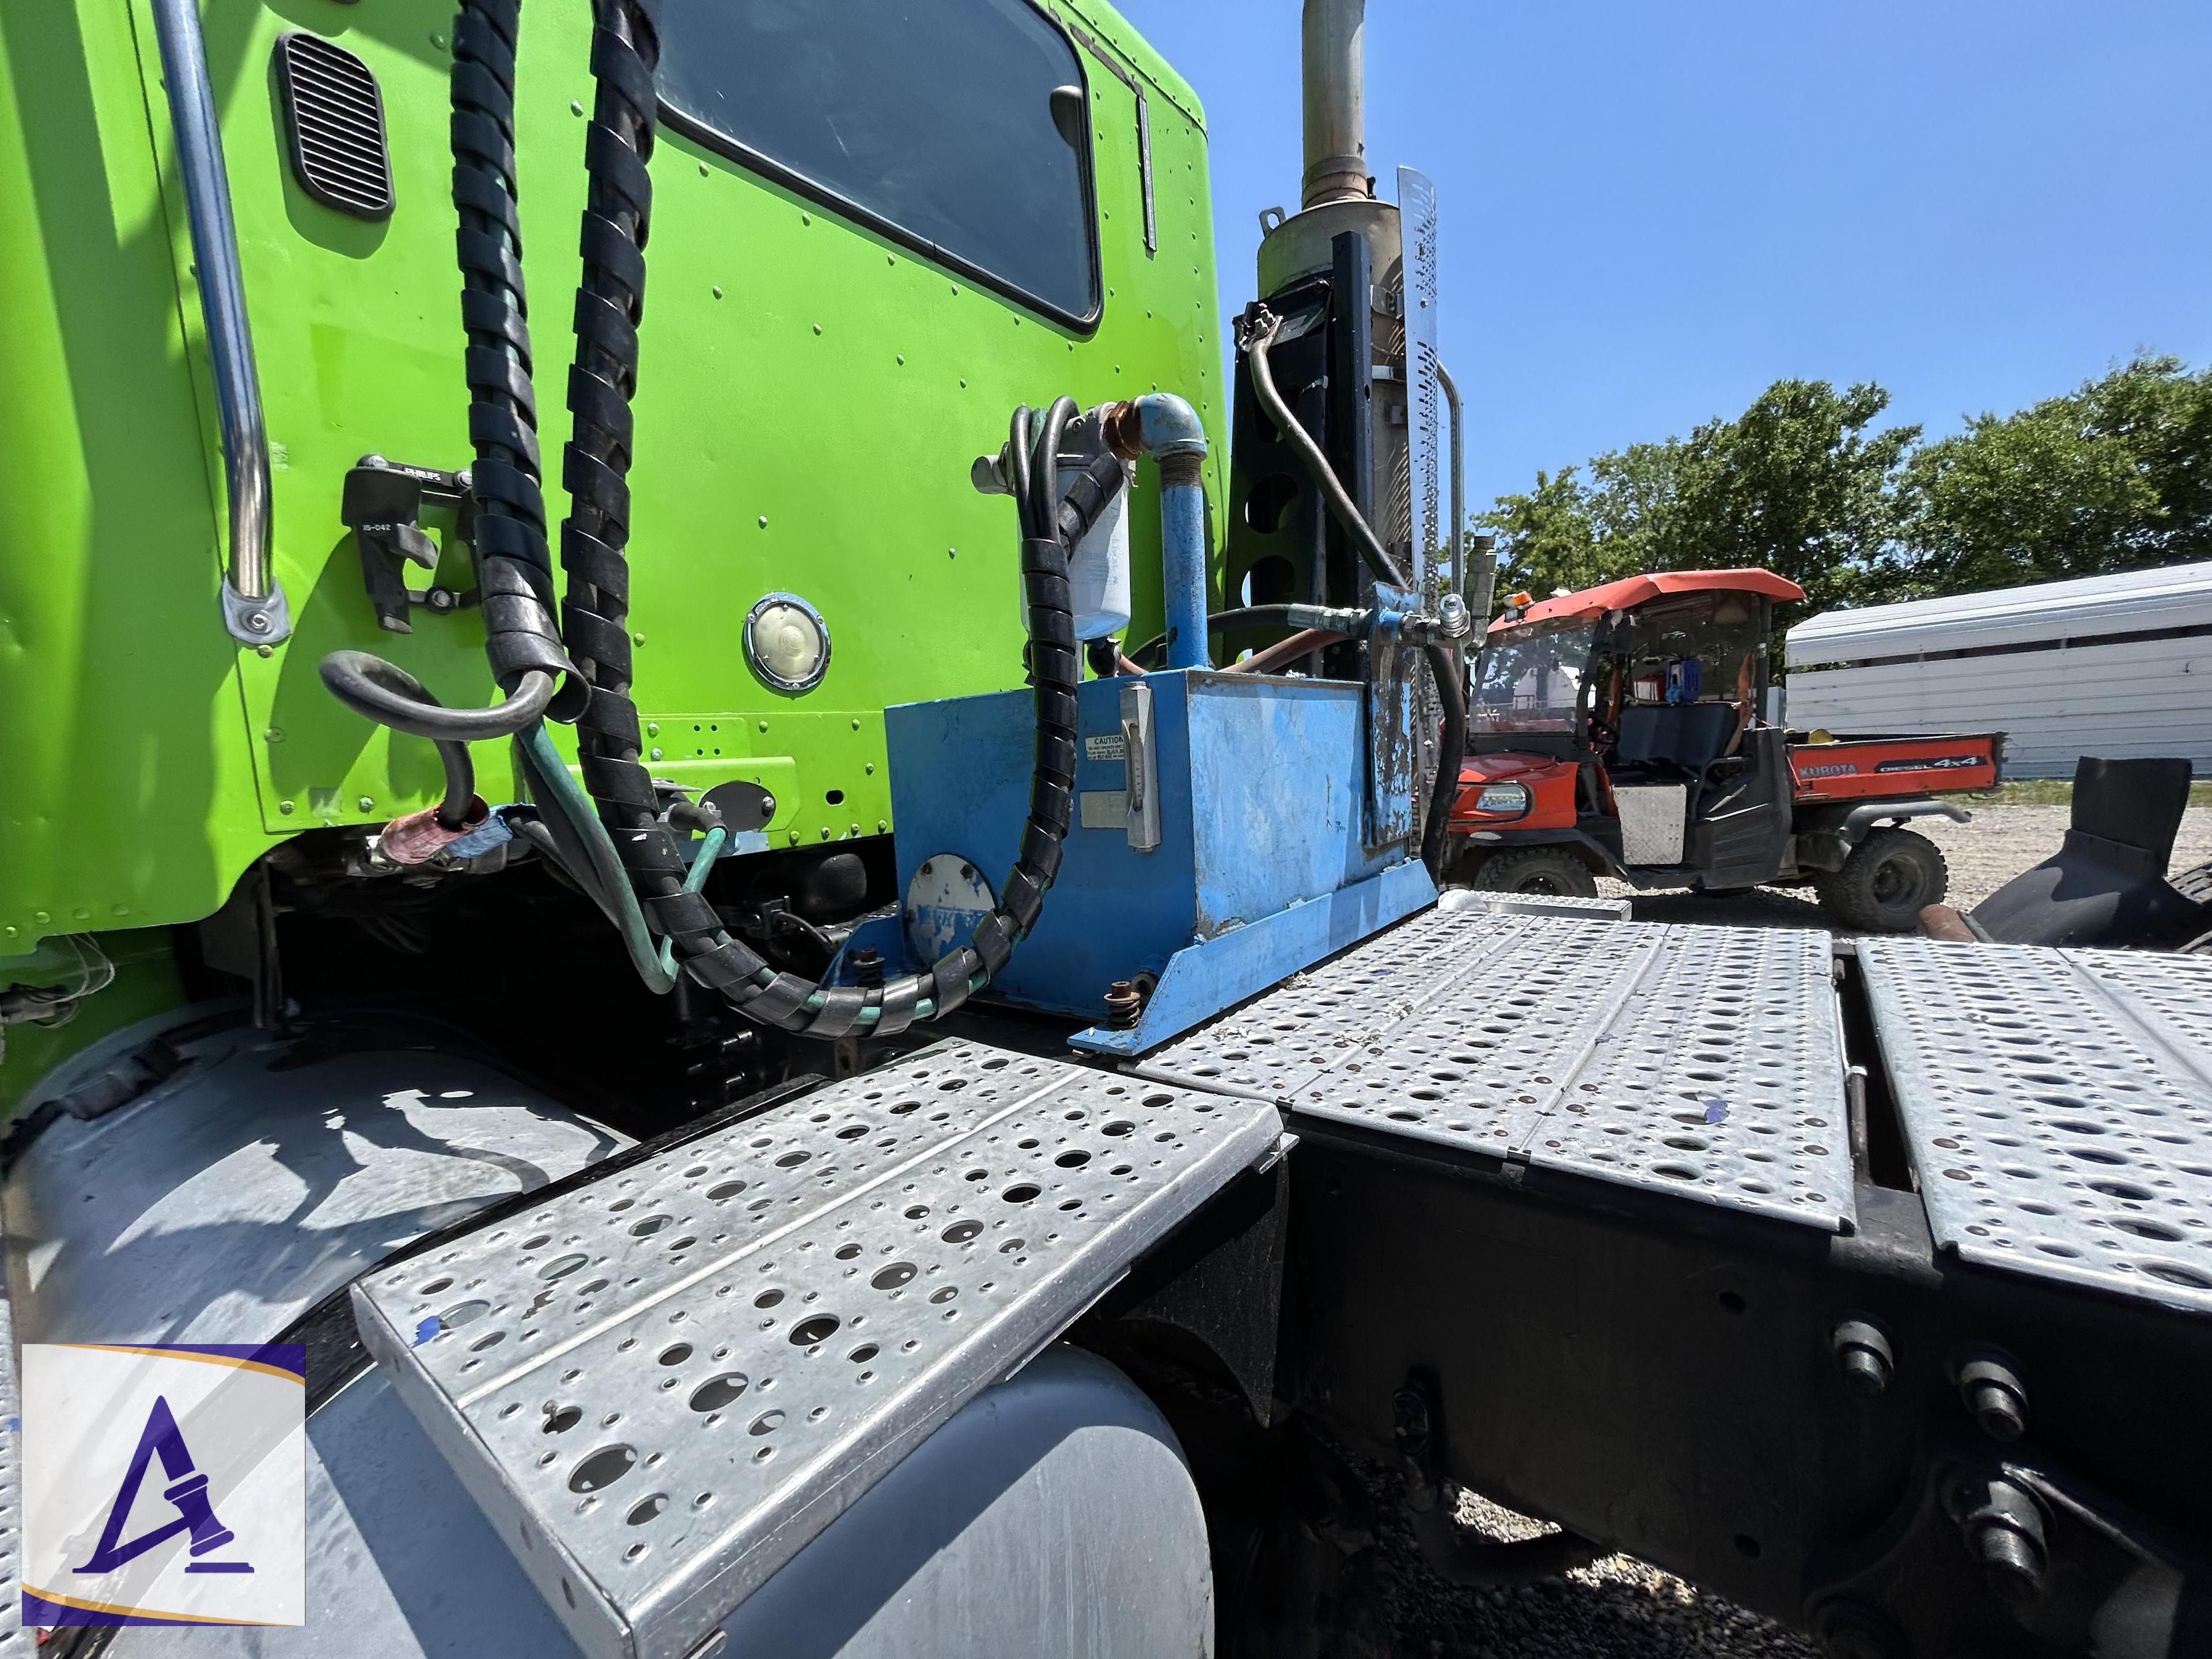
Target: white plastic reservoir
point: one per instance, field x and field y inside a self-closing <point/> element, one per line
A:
<point x="1098" y="573"/>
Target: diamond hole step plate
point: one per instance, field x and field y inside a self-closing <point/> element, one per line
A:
<point x="659" y="1386"/>
<point x="1704" y="1062"/>
<point x="2058" y="1106"/>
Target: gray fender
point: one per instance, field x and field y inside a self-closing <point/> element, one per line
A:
<point x="1052" y="1515"/>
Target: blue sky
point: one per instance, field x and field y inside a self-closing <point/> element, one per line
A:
<point x="1653" y="208"/>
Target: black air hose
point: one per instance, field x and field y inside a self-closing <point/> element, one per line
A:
<point x="625" y="50"/>
<point x="1451" y="750"/>
<point x="513" y="570"/>
<point x="403" y="703"/>
<point x="628" y="845"/>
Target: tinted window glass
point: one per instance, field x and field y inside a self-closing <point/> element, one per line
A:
<point x="1532" y="681"/>
<point x="932" y="119"/>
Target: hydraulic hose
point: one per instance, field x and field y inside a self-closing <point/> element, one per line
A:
<point x="1451" y="750"/>
<point x="514" y="570"/>
<point x="625" y="50"/>
<point x="1261" y="325"/>
<point x="1284" y="652"/>
<point x="1325" y="616"/>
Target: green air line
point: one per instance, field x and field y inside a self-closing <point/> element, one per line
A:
<point x="693" y="880"/>
<point x="567" y="797"/>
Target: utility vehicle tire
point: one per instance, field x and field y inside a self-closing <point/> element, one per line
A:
<point x="1551" y="869"/>
<point x="1885" y="884"/>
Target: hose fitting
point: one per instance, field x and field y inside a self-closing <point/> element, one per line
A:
<point x="1166" y="427"/>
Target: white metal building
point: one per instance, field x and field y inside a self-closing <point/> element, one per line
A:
<point x="2119" y="666"/>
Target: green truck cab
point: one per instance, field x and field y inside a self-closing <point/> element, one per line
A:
<point x="851" y="283"/>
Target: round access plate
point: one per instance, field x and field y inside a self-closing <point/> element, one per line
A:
<point x="945" y="900"/>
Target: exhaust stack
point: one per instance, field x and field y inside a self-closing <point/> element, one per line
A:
<point x="1335" y="56"/>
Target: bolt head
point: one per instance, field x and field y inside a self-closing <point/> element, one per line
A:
<point x="1864" y="1373"/>
<point x="1996" y="1396"/>
<point x="1862" y="1355"/>
<point x="2012" y="1563"/>
<point x="2002" y="1414"/>
<point x="257" y="621"/>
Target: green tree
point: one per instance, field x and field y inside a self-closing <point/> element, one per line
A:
<point x="1545" y="538"/>
<point x="2114" y="476"/>
<point x="1800" y="482"/>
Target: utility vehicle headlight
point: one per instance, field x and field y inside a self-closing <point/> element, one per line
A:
<point x="1503" y="798"/>
<point x="786" y="643"/>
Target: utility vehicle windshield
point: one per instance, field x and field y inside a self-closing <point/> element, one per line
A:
<point x="1532" y="681"/>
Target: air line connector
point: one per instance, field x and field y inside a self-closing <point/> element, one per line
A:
<point x="1166" y="427"/>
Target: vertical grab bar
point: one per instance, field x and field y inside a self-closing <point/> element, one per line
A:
<point x="254" y="609"/>
<point x="1477" y="583"/>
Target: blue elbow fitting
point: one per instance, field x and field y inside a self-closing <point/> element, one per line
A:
<point x="1165" y="426"/>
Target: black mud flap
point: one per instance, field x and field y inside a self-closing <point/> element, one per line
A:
<point x="2106" y="884"/>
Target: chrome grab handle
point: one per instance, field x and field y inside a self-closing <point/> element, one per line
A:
<point x="254" y="609"/>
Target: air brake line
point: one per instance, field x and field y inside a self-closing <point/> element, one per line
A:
<point x="625" y="854"/>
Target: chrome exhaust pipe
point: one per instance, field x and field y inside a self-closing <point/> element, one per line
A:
<point x="1335" y="78"/>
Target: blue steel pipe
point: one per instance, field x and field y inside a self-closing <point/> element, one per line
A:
<point x="1162" y="425"/>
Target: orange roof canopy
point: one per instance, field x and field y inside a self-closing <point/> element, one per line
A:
<point x="1632" y="591"/>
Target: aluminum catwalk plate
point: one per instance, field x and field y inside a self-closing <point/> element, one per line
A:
<point x="15" y="1642"/>
<point x="2058" y="1106"/>
<point x="1705" y="1062"/>
<point x="659" y="1386"/>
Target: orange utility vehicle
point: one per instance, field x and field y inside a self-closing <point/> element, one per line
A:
<point x="1616" y="732"/>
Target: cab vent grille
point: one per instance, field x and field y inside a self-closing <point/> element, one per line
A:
<point x="334" y="125"/>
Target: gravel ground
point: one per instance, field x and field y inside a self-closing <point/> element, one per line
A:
<point x="1621" y="1607"/>
<point x="1617" y="1608"/>
<point x="1983" y="856"/>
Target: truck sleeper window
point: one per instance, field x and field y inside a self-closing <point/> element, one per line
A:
<point x="931" y="120"/>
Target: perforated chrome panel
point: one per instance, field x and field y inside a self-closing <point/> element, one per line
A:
<point x="659" y="1386"/>
<point x="1706" y="1063"/>
<point x="1277" y="1047"/>
<point x="1535" y="904"/>
<point x="2058" y="1105"/>
<point x="1722" y="1075"/>
<point x="1434" y="565"/>
<point x="15" y="1642"/>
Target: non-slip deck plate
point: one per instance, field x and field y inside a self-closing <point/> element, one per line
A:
<point x="2058" y="1106"/>
<point x="1705" y="1062"/>
<point x="661" y="1385"/>
<point x="15" y="1642"/>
